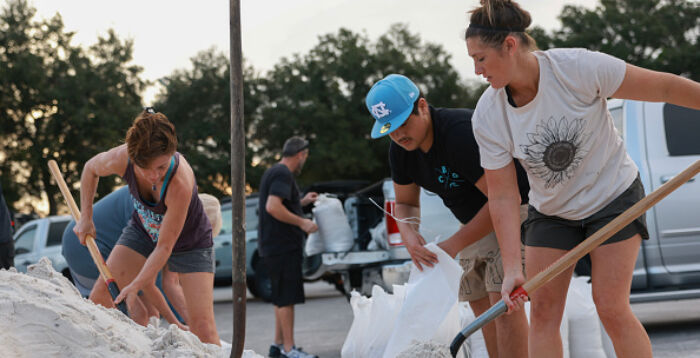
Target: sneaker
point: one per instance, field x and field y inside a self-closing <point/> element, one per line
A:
<point x="297" y="353"/>
<point x="275" y="351"/>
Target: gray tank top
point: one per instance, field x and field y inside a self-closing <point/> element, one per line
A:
<point x="196" y="233"/>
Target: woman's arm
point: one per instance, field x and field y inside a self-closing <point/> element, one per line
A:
<point x="652" y="86"/>
<point x="504" y="203"/>
<point x="103" y="164"/>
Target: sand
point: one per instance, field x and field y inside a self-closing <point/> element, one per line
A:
<point x="43" y="315"/>
<point x="428" y="349"/>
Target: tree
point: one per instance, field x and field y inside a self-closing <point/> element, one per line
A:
<point x="59" y="101"/>
<point x="197" y="101"/>
<point x="320" y="95"/>
<point x="660" y="35"/>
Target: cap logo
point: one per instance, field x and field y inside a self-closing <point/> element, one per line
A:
<point x="385" y="128"/>
<point x="379" y="110"/>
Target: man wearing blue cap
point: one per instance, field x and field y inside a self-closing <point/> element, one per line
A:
<point x="434" y="148"/>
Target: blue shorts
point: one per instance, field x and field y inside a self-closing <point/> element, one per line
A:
<point x="195" y="260"/>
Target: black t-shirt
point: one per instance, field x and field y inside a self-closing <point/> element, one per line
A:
<point x="276" y="237"/>
<point x="452" y="165"/>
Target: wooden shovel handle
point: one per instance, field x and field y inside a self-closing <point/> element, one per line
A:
<point x="89" y="240"/>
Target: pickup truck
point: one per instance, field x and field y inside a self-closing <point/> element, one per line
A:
<point x="41" y="238"/>
<point x="369" y="212"/>
<point x="662" y="139"/>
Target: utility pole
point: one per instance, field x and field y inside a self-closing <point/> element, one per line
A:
<point x="237" y="182"/>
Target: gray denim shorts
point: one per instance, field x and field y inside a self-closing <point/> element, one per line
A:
<point x="195" y="260"/>
<point x="554" y="232"/>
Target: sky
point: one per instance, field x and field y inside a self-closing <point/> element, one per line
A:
<point x="167" y="34"/>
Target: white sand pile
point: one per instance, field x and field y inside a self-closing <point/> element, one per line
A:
<point x="43" y="315"/>
<point x="428" y="349"/>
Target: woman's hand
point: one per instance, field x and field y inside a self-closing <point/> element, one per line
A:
<point x="511" y="281"/>
<point x="130" y="293"/>
<point x="84" y="227"/>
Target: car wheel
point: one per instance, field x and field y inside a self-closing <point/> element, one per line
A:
<point x="261" y="282"/>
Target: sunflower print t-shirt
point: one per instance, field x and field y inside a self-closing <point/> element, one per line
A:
<point x="564" y="138"/>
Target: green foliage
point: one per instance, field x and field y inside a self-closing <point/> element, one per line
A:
<point x="320" y="95"/>
<point x="58" y="101"/>
<point x="197" y="101"/>
<point x="660" y="35"/>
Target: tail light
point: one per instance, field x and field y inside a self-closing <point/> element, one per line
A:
<point x="392" y="229"/>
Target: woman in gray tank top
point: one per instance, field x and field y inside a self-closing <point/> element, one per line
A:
<point x="169" y="225"/>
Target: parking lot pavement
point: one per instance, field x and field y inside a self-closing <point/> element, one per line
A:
<point x="321" y="323"/>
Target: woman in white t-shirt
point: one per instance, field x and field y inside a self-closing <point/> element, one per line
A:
<point x="548" y="110"/>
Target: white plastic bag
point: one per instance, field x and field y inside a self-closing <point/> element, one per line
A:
<point x="429" y="310"/>
<point x="333" y="226"/>
<point x="314" y="244"/>
<point x="585" y="337"/>
<point x="475" y="342"/>
<point x="355" y="342"/>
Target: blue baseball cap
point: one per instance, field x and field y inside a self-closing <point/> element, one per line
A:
<point x="390" y="101"/>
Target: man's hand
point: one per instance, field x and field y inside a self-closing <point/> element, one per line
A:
<point x="511" y="281"/>
<point x="419" y="254"/>
<point x="309" y="198"/>
<point x="308" y="226"/>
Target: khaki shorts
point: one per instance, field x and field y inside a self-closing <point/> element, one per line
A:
<point x="482" y="265"/>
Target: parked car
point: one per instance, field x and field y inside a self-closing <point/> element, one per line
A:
<point x="41" y="238"/>
<point x="222" y="242"/>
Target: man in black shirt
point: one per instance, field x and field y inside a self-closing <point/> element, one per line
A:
<point x="7" y="245"/>
<point x="434" y="148"/>
<point x="281" y="231"/>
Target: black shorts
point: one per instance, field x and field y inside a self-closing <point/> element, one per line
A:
<point x="286" y="278"/>
<point x="550" y="231"/>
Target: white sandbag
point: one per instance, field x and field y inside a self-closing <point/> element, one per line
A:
<point x="607" y="343"/>
<point x="429" y="311"/>
<point x="333" y="226"/>
<point x="564" y="330"/>
<point x="475" y="342"/>
<point x="354" y="344"/>
<point x="314" y="244"/>
<point x="584" y="325"/>
<point x="378" y="234"/>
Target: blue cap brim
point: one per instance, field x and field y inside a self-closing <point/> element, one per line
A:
<point x="393" y="124"/>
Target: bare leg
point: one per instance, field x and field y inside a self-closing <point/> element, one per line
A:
<point x="173" y="289"/>
<point x="279" y="337"/>
<point x="613" y="265"/>
<point x="489" y="330"/>
<point x="198" y="288"/>
<point x="511" y="331"/>
<point x="124" y="264"/>
<point x="547" y="303"/>
<point x="286" y="321"/>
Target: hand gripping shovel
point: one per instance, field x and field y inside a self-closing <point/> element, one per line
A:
<point x="89" y="240"/>
<point x="578" y="252"/>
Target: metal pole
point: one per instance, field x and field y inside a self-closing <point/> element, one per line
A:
<point x="237" y="182"/>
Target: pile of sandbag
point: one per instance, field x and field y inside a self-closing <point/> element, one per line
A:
<point x="424" y="310"/>
<point x="424" y="314"/>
